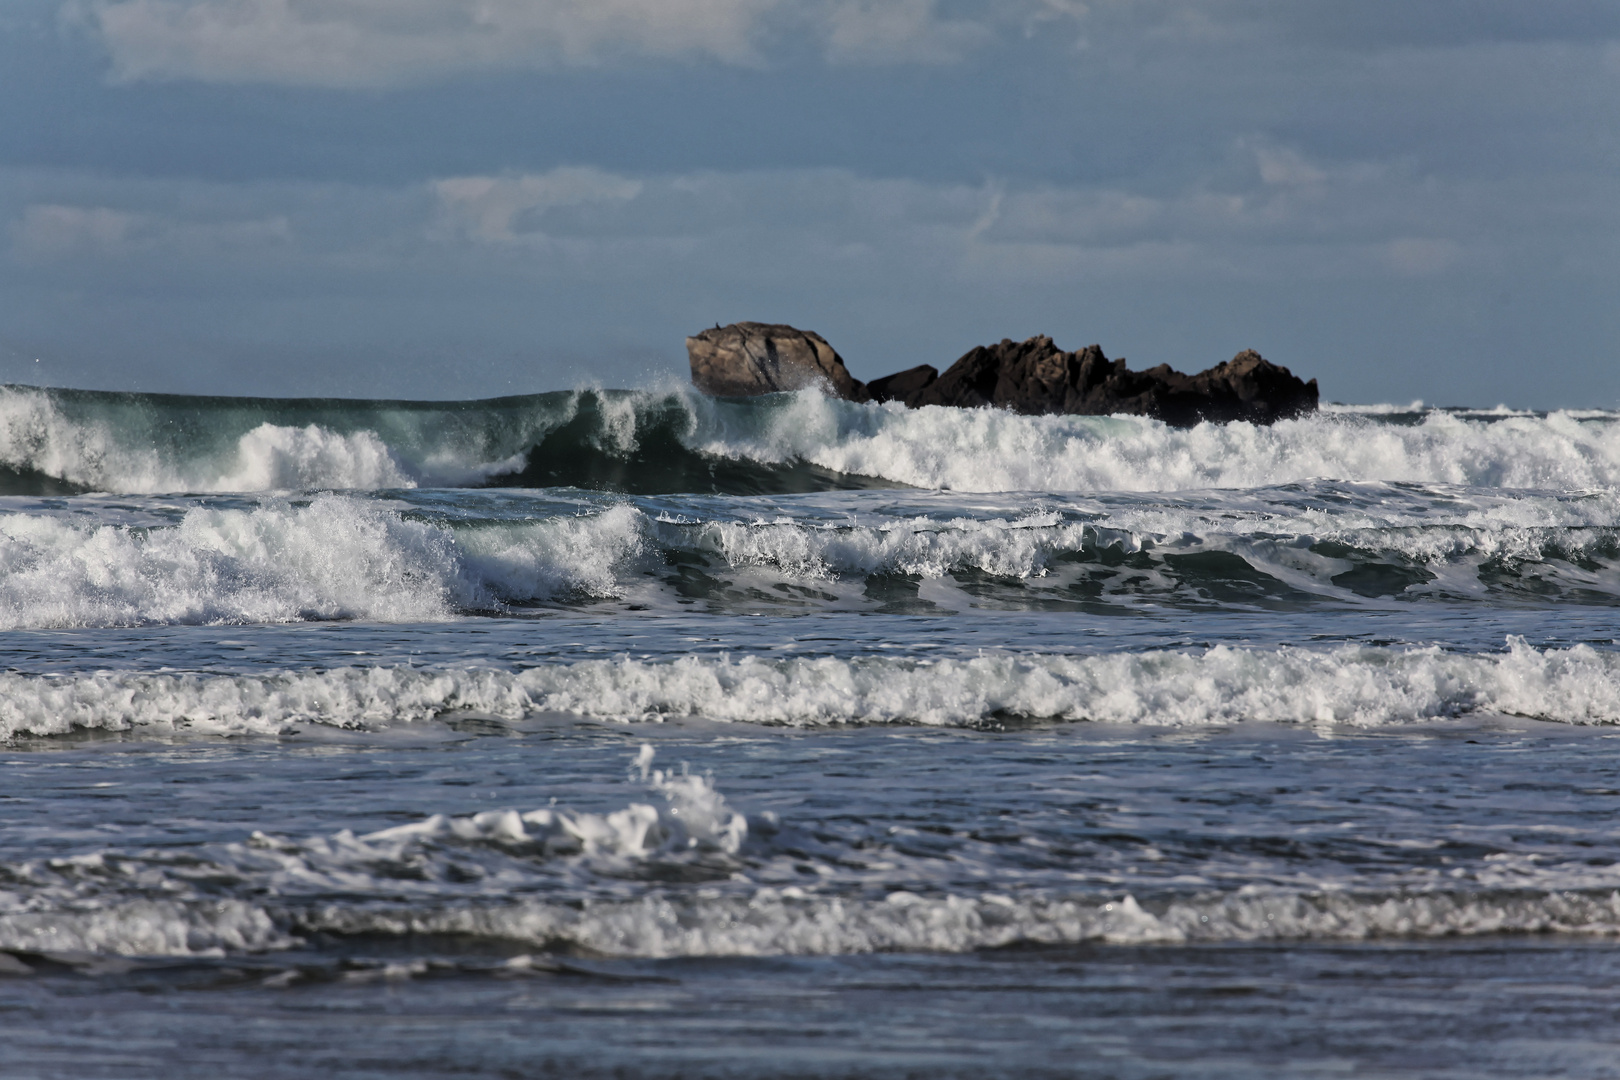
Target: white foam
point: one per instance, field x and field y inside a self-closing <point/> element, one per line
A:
<point x="775" y="922"/>
<point x="109" y="445"/>
<point x="1363" y="686"/>
<point x="36" y="435"/>
<point x="788" y="922"/>
<point x="145" y="928"/>
<point x="694" y="816"/>
<point x="334" y="557"/>
<point x="555" y="556"/>
<point x="1416" y="405"/>
<point x="1270" y="535"/>
<point x="567" y="868"/>
<point x="277" y="458"/>
<point x="991" y="450"/>
<point x="928" y="547"/>
<point x="343" y="556"/>
<point x="68" y="906"/>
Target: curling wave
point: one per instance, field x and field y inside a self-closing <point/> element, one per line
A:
<point x="651" y="442"/>
<point x="338" y="556"/>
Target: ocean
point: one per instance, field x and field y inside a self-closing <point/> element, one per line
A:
<point x="642" y="734"/>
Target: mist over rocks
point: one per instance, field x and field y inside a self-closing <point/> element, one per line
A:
<point x="1032" y="377"/>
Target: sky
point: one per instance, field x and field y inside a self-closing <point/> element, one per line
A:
<point x="1406" y="199"/>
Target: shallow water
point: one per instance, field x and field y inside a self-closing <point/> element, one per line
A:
<point x="1099" y="749"/>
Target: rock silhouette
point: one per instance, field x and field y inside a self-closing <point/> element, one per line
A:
<point x="1032" y="377"/>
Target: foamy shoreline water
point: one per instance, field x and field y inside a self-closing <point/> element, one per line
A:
<point x="721" y="876"/>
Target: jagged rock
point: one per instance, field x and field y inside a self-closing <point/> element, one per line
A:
<point x="1246" y="387"/>
<point x="747" y="359"/>
<point x="1036" y="377"/>
<point x="1033" y="377"/>
<point x="902" y="384"/>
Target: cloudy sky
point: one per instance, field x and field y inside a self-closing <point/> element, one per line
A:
<point x="458" y="198"/>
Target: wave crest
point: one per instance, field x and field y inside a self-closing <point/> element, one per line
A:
<point x="651" y="442"/>
<point x="1361" y="686"/>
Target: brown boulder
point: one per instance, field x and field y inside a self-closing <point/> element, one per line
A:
<point x="748" y="359"/>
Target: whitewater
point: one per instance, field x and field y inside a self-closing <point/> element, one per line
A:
<point x="677" y="440"/>
<point x="653" y="733"/>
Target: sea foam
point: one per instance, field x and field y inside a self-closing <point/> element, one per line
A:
<point x="332" y="557"/>
<point x="338" y="556"/>
<point x="712" y="882"/>
<point x="776" y="922"/>
<point x="788" y="922"/>
<point x="989" y="450"/>
<point x="149" y="443"/>
<point x="487" y="875"/>
<point x="1351" y="685"/>
<point x="99" y="454"/>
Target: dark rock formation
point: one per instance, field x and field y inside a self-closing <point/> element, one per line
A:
<point x="1033" y="377"/>
<point x="1036" y="377"/>
<point x="902" y="384"/>
<point x="746" y="359"/>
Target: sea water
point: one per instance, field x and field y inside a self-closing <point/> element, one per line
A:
<point x="637" y="733"/>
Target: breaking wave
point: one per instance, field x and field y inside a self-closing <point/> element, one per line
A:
<point x="336" y="556"/>
<point x="651" y="442"/>
<point x="1365" y="686"/>
<point x="776" y="922"/>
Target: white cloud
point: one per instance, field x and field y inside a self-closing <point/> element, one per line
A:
<point x="886" y="31"/>
<point x="507" y="209"/>
<point x="357" y="43"/>
<point x="1412" y="256"/>
<point x="1294" y="220"/>
<point x="1333" y="219"/>
<point x="903" y="271"/>
<point x="370" y="43"/>
<point x="1282" y="198"/>
<point x="1286" y="167"/>
<point x="57" y="231"/>
<point x="50" y="230"/>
